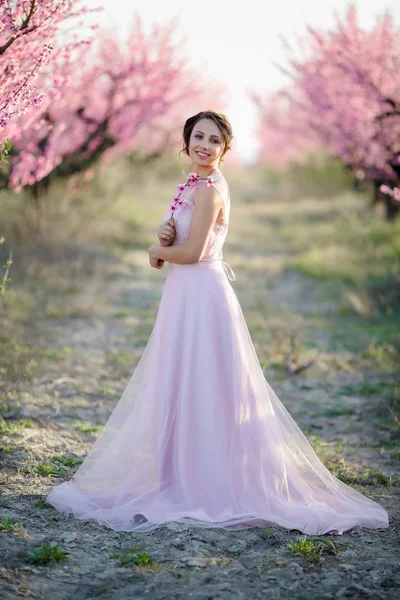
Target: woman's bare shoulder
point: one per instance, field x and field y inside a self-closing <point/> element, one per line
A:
<point x="221" y="177"/>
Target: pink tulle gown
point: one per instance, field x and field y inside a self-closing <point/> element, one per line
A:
<point x="199" y="436"/>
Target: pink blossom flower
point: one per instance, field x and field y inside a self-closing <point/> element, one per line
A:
<point x="393" y="192"/>
<point x="193" y="181"/>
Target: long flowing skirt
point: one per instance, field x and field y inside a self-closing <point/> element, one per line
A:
<point x="200" y="437"/>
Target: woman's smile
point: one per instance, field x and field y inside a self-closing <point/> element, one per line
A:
<point x="202" y="154"/>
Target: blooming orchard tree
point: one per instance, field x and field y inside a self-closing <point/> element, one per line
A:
<point x="346" y="95"/>
<point x="30" y="43"/>
<point x="108" y="102"/>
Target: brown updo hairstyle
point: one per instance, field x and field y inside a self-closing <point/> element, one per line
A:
<point x="219" y="119"/>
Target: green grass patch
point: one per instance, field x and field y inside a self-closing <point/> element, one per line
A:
<point x="335" y="411"/>
<point x="66" y="461"/>
<point x="46" y="554"/>
<point x="370" y="388"/>
<point x="120" y="358"/>
<point x="105" y="389"/>
<point x="7" y="524"/>
<point x="14" y="427"/>
<point x="312" y="548"/>
<point x="379" y="477"/>
<point x="122" y="314"/>
<point x="373" y="342"/>
<point x="384" y="355"/>
<point x="333" y="461"/>
<point x="348" y="249"/>
<point x="135" y="557"/>
<point x="87" y="427"/>
<point x="49" y="470"/>
<point x="356" y="257"/>
<point x="9" y="428"/>
<point x="59" y="467"/>
<point x="8" y="448"/>
<point x="52" y="355"/>
<point x="42" y="504"/>
<point x="267" y="532"/>
<point x="393" y="443"/>
<point x="341" y="469"/>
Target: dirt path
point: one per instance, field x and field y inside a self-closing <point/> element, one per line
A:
<point x="86" y="362"/>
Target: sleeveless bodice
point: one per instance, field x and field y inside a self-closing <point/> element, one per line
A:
<point x="184" y="213"/>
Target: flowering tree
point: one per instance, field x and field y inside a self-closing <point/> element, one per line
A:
<point x="29" y="44"/>
<point x="108" y="103"/>
<point x="346" y="96"/>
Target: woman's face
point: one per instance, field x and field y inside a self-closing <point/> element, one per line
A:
<point x="206" y="144"/>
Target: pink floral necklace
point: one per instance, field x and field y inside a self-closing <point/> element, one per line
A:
<point x="192" y="181"/>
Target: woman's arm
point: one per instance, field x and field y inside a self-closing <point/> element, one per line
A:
<point x="177" y="254"/>
<point x="208" y="203"/>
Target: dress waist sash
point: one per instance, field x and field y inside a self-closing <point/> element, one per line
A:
<point x="227" y="268"/>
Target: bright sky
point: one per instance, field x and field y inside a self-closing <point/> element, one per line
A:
<point x="239" y="42"/>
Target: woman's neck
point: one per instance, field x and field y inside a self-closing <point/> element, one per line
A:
<point x="203" y="172"/>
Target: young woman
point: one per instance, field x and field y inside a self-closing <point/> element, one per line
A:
<point x="199" y="436"/>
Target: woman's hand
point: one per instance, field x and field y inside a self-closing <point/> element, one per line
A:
<point x="166" y="232"/>
<point x="155" y="262"/>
